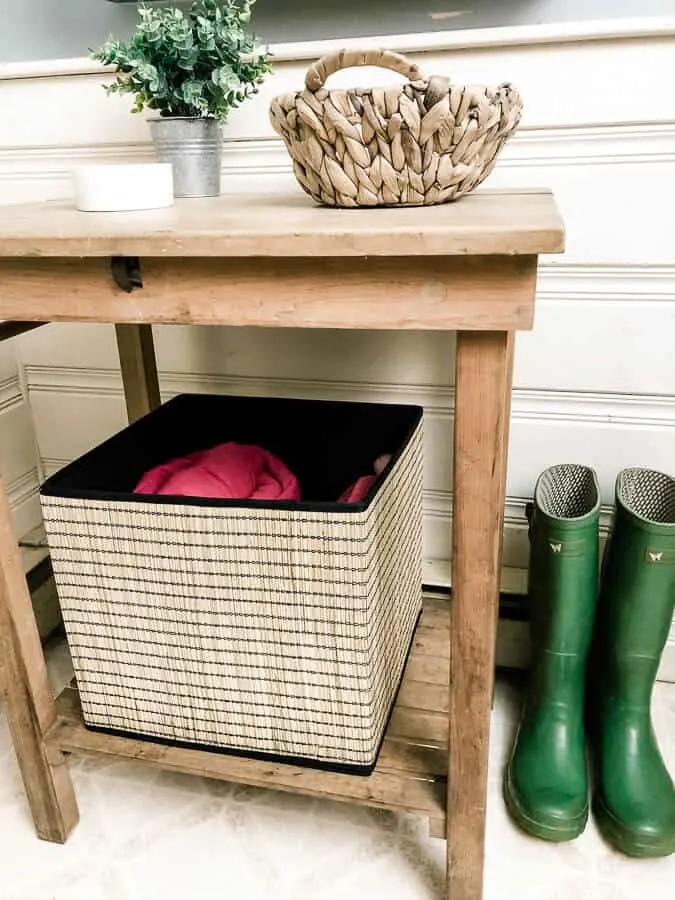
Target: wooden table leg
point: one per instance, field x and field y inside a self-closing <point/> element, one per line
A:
<point x="139" y="369"/>
<point x="482" y="403"/>
<point x="27" y="695"/>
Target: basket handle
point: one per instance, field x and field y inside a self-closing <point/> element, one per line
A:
<point x="344" y="59"/>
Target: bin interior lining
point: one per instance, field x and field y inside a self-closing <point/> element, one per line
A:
<point x="327" y="445"/>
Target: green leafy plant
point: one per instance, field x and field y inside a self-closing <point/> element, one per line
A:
<point x="201" y="63"/>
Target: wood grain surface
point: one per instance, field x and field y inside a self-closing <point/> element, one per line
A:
<point x="445" y="293"/>
<point x="288" y="223"/>
<point x="483" y="389"/>
<point x="136" y="350"/>
<point x="27" y="696"/>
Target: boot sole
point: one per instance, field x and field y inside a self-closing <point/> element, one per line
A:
<point x="556" y="834"/>
<point x="623" y="839"/>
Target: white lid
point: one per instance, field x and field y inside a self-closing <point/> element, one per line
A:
<point x="119" y="187"/>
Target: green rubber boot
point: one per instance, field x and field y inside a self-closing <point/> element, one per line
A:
<point x="546" y="781"/>
<point x="634" y="803"/>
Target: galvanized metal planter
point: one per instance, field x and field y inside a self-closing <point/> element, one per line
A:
<point x="194" y="147"/>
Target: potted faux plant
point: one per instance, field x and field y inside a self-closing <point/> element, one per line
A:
<point x="192" y="68"/>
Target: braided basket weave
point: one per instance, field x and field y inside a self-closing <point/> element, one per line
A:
<point x="427" y="142"/>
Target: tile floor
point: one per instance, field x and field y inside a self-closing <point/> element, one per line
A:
<point x="151" y="835"/>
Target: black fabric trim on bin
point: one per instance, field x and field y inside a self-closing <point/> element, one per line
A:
<point x="57" y="511"/>
<point x="299" y="761"/>
<point x="327" y="445"/>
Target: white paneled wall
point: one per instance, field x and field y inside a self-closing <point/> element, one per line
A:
<point x="595" y="380"/>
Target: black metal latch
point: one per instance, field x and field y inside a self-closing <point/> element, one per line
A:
<point x="126" y="271"/>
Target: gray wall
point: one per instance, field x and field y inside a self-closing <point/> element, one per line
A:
<point x="52" y="29"/>
<point x="55" y="29"/>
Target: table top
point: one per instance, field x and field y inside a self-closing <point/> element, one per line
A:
<point x="287" y="223"/>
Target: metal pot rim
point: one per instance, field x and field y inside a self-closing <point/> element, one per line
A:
<point x="182" y="119"/>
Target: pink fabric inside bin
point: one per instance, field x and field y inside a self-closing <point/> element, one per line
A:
<point x="228" y="471"/>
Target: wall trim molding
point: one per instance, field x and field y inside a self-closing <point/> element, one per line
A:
<point x="438" y="504"/>
<point x="618" y="143"/>
<point x="641" y="410"/>
<point x="23" y="488"/>
<point x="650" y="410"/>
<point x="591" y="281"/>
<point x="11" y="395"/>
<point x="459" y="39"/>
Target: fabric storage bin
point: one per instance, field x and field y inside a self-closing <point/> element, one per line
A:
<point x="266" y="628"/>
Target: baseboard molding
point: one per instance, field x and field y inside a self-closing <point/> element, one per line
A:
<point x="513" y="633"/>
<point x="44" y="598"/>
<point x="34" y="549"/>
<point x="513" y="649"/>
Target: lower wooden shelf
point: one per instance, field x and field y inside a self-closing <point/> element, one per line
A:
<point x="411" y="771"/>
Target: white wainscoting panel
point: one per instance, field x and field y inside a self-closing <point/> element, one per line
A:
<point x="595" y="380"/>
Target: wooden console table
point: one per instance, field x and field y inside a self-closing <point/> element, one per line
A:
<point x="280" y="261"/>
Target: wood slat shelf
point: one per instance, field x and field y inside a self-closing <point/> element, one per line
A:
<point x="411" y="771"/>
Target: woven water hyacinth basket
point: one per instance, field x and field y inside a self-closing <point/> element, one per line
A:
<point x="427" y="142"/>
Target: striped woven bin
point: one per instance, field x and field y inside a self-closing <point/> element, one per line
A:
<point x="266" y="628"/>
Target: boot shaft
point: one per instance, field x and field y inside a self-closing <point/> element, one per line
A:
<point x="563" y="574"/>
<point x="546" y="784"/>
<point x="635" y="796"/>
<point x="637" y="594"/>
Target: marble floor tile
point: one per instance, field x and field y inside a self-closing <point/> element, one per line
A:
<point x="151" y="835"/>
